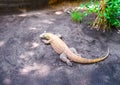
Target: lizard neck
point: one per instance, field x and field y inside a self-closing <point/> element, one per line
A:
<point x="52" y="39"/>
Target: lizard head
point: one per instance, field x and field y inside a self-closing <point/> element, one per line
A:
<point x="46" y="36"/>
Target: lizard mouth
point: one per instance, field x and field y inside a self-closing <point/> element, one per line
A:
<point x="43" y="38"/>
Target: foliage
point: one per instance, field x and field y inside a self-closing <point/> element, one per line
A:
<point x="112" y="12"/>
<point x="108" y="13"/>
<point x="92" y="7"/>
<point x="77" y="16"/>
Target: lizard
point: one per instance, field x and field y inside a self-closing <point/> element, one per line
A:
<point x="67" y="54"/>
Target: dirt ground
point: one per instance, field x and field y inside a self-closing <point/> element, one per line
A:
<point x="25" y="60"/>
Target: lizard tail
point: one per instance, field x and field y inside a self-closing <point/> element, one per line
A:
<point x="89" y="61"/>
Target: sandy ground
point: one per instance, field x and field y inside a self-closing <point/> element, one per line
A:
<point x="25" y="60"/>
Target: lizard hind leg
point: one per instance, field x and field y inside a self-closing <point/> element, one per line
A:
<point x="64" y="58"/>
<point x="74" y="51"/>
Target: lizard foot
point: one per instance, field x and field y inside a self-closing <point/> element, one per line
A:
<point x="65" y="59"/>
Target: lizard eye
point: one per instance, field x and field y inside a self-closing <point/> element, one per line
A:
<point x="46" y="37"/>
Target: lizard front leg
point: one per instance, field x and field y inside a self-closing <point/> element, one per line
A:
<point x="64" y="58"/>
<point x="59" y="35"/>
<point x="46" y="41"/>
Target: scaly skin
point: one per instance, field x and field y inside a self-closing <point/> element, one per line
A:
<point x="61" y="48"/>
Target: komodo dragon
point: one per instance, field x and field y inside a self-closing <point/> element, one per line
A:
<point x="66" y="54"/>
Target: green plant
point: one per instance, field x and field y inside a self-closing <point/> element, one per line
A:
<point x="92" y="7"/>
<point x="108" y="14"/>
<point x="76" y="16"/>
<point x="112" y="12"/>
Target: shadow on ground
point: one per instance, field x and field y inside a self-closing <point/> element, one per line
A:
<point x="25" y="60"/>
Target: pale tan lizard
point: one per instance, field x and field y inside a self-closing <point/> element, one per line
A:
<point x="66" y="54"/>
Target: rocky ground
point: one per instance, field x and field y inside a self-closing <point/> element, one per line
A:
<point x="25" y="60"/>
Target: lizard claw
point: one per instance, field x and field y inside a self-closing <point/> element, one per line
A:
<point x="69" y="63"/>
